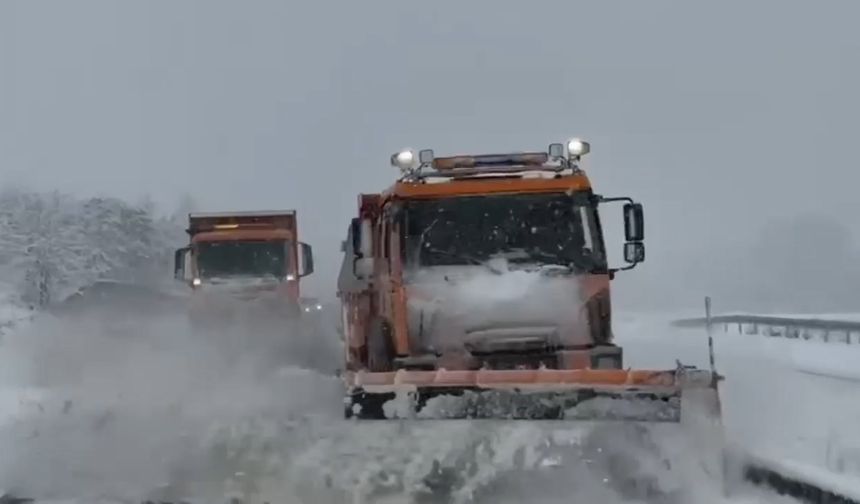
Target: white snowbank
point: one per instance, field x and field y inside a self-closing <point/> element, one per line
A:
<point x="771" y="404"/>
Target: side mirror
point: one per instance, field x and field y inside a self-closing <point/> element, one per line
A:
<point x="179" y="258"/>
<point x="362" y="236"/>
<point x="365" y="238"/>
<point x="634" y="223"/>
<point x="306" y="260"/>
<point x="634" y="232"/>
<point x="362" y="247"/>
<point x="355" y="232"/>
<point x="634" y="252"/>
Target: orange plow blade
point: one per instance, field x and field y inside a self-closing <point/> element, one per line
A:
<point x="542" y="394"/>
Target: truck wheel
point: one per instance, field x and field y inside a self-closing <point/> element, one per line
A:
<point x="380" y="352"/>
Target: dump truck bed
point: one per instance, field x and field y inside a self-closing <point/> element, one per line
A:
<point x="209" y="221"/>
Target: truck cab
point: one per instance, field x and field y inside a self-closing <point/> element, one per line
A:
<point x="483" y="262"/>
<point x="245" y="255"/>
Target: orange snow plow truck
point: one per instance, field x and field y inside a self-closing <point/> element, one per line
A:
<point x="477" y="286"/>
<point x="245" y="255"/>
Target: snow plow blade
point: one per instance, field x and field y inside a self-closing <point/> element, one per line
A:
<point x="545" y="394"/>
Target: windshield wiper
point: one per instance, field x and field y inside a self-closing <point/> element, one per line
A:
<point x="544" y="260"/>
<point x="469" y="259"/>
<point x="452" y="255"/>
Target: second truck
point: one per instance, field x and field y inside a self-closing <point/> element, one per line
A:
<point x="245" y="256"/>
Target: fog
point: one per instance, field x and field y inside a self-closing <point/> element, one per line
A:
<point x="732" y="122"/>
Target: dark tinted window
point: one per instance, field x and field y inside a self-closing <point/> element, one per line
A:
<point x="544" y="229"/>
<point x="242" y="258"/>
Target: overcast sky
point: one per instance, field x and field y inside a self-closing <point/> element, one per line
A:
<point x="716" y="115"/>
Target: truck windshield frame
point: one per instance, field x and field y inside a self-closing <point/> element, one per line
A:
<point x="243" y="259"/>
<point x="546" y="229"/>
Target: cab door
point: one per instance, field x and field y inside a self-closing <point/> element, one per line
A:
<point x="400" y="315"/>
<point x="384" y="267"/>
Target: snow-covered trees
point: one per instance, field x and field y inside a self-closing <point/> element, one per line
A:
<point x="53" y="244"/>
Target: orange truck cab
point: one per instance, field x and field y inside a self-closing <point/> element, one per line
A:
<point x="245" y="255"/>
<point x="482" y="262"/>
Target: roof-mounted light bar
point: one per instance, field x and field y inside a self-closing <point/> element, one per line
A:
<point x="487" y="160"/>
<point x="199" y="228"/>
<point x="558" y="156"/>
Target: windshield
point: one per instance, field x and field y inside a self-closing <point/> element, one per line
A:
<point x="545" y="229"/>
<point x="242" y="258"/>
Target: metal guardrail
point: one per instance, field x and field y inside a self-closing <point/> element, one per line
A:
<point x="800" y="328"/>
<point x="830" y="331"/>
<point x="800" y="488"/>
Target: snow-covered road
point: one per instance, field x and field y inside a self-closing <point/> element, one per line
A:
<point x="130" y="407"/>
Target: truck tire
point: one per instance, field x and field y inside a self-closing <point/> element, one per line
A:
<point x="380" y="348"/>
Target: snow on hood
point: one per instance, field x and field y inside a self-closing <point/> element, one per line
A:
<point x="445" y="303"/>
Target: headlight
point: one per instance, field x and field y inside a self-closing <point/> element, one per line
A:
<point x="577" y="147"/>
<point x="405" y="160"/>
<point x="196" y="282"/>
<point x="319" y="307"/>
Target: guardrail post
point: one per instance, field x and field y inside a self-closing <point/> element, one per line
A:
<point x="711" y="357"/>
